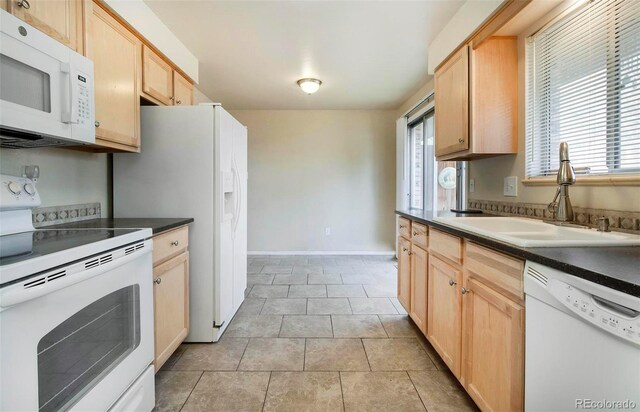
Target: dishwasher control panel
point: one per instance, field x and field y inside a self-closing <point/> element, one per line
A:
<point x="616" y="319"/>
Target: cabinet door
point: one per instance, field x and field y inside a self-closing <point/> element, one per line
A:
<point x="494" y="96"/>
<point x="419" y="260"/>
<point x="115" y="52"/>
<point x="444" y="312"/>
<point x="60" y="19"/>
<point x="182" y="90"/>
<point x="404" y="273"/>
<point x="493" y="343"/>
<point x="171" y="306"/>
<point x="452" y="104"/>
<point x="157" y="77"/>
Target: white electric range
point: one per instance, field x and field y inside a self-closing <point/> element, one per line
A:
<point x="76" y="312"/>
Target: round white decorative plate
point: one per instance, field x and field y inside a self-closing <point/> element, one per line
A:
<point x="447" y="178"/>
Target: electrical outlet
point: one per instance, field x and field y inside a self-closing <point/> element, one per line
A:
<point x="511" y="186"/>
<point x="327" y="231"/>
<point x="472" y="185"/>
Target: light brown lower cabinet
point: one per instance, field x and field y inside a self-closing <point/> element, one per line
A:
<point x="404" y="273"/>
<point x="171" y="306"/>
<point x="493" y="348"/>
<point x="418" y="312"/>
<point x="170" y="292"/>
<point x="473" y="301"/>
<point x="445" y="312"/>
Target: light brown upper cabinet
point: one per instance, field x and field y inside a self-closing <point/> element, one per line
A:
<point x="162" y="84"/>
<point x="157" y="77"/>
<point x="182" y="90"/>
<point x="452" y="104"/>
<point x="116" y="53"/>
<point x="477" y="101"/>
<point x="59" y="19"/>
<point x="404" y="273"/>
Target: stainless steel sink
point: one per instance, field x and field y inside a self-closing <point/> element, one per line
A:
<point x="536" y="233"/>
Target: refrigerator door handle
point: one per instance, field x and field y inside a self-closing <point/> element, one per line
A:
<point x="238" y="194"/>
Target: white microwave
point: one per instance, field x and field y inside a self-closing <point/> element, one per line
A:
<point x="46" y="89"/>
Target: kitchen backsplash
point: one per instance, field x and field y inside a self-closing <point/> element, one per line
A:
<point x="54" y="215"/>
<point x="619" y="220"/>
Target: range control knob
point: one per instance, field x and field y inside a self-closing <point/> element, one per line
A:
<point x="14" y="188"/>
<point x="29" y="189"/>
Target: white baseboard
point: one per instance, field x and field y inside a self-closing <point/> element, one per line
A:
<point x="320" y="253"/>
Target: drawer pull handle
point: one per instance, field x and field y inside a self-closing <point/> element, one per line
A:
<point x="402" y="226"/>
<point x="25" y="4"/>
<point x="452" y="282"/>
<point x="175" y="243"/>
<point x="460" y="140"/>
<point x="464" y="291"/>
<point x="404" y="249"/>
<point x="415" y="233"/>
<point x="157" y="281"/>
<point x="96" y="123"/>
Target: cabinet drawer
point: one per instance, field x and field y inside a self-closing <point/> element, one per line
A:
<point x="169" y="244"/>
<point x="419" y="235"/>
<point x="496" y="269"/>
<point x="404" y="227"/>
<point x="446" y="245"/>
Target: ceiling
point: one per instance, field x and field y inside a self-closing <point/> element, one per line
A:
<point x="368" y="54"/>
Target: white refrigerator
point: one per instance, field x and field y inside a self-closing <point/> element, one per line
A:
<point x="193" y="163"/>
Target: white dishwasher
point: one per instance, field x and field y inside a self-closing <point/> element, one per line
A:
<point x="582" y="344"/>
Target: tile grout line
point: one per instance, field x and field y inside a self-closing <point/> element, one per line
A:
<point x="333" y="335"/>
<point x="264" y="402"/>
<point x="416" y="389"/>
<point x="304" y="356"/>
<point x="243" y="352"/>
<point x="366" y="354"/>
<point x="393" y="306"/>
<point x="341" y="390"/>
<point x="177" y="360"/>
<point x="191" y="392"/>
<point x="281" y="323"/>
<point x="383" y="328"/>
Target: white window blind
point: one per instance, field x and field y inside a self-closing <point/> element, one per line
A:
<point x="583" y="87"/>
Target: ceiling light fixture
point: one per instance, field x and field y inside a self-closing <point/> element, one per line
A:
<point x="309" y="85"/>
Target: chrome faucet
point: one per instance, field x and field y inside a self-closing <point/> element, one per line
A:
<point x="560" y="206"/>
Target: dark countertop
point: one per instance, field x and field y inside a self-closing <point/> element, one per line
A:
<point x="617" y="267"/>
<point x="157" y="225"/>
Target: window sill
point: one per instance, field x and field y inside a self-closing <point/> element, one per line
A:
<point x="619" y="180"/>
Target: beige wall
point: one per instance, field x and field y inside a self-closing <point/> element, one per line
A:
<point x="489" y="173"/>
<point x="313" y="169"/>
<point x="199" y="97"/>
<point x="417" y="96"/>
<point x="66" y="176"/>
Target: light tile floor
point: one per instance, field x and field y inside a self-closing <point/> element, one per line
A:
<point x="315" y="333"/>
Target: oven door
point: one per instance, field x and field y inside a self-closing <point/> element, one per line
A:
<point x="79" y="347"/>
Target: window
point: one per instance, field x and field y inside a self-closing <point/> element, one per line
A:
<point x="416" y="140"/>
<point x="430" y="184"/>
<point x="583" y="87"/>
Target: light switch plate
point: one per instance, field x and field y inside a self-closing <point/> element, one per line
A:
<point x="511" y="186"/>
<point x="472" y="185"/>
